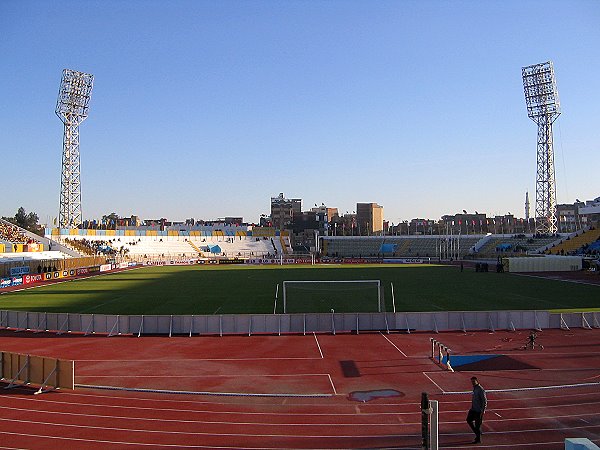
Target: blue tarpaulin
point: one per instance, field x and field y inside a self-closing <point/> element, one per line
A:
<point x="214" y="248"/>
<point x="388" y="248"/>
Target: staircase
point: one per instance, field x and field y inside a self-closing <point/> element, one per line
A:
<point x="195" y="247"/>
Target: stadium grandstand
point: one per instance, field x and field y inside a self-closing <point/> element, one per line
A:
<point x="515" y="245"/>
<point x="442" y="247"/>
<point x="585" y="242"/>
<point x="235" y="242"/>
<point x="149" y="243"/>
<point x="20" y="248"/>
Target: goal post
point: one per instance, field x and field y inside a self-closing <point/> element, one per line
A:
<point x="306" y="296"/>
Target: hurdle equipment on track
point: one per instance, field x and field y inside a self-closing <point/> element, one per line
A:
<point x="440" y="354"/>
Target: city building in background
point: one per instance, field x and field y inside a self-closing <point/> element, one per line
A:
<point x="283" y="211"/>
<point x="369" y="218"/>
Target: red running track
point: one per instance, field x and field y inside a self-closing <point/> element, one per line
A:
<point x="295" y="391"/>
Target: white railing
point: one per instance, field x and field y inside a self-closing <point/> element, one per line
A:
<point x="194" y="325"/>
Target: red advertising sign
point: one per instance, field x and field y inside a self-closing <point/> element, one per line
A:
<point x="28" y="279"/>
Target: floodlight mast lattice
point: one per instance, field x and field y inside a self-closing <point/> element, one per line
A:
<point x="543" y="107"/>
<point x="72" y="109"/>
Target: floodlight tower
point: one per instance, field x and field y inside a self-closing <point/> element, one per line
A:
<point x="72" y="109"/>
<point x="543" y="107"/>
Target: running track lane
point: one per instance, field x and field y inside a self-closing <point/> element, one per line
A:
<point x="130" y="420"/>
<point x="97" y="421"/>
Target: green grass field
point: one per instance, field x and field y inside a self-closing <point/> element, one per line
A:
<point x="251" y="289"/>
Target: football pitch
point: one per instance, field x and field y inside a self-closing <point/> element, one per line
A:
<point x="253" y="289"/>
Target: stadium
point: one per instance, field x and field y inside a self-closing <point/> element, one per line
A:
<point x="236" y="340"/>
<point x="311" y="329"/>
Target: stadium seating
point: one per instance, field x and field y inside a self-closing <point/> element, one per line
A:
<point x="140" y="247"/>
<point x="576" y="244"/>
<point x="514" y="245"/>
<point x="405" y="246"/>
<point x="31" y="256"/>
<point x="12" y="234"/>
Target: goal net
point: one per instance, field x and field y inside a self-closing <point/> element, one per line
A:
<point x="323" y="296"/>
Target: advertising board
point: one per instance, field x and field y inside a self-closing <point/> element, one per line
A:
<point x="28" y="279"/>
<point x="14" y="271"/>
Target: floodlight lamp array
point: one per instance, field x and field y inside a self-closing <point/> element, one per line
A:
<point x="74" y="94"/>
<point x="541" y="95"/>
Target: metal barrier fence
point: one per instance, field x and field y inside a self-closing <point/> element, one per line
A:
<point x="194" y="325"/>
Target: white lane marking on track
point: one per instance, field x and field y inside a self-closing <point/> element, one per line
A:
<point x="202" y="376"/>
<point x="197" y="411"/>
<point x="536" y="388"/>
<point x="192" y="433"/>
<point x="437" y="385"/>
<point x="169" y="361"/>
<point x="291" y="423"/>
<point x="395" y="346"/>
<point x="318" y="345"/>
<point x="332" y="385"/>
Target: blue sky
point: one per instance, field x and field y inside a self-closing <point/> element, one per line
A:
<point x="206" y="109"/>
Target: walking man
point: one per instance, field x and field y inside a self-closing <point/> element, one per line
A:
<point x="478" y="405"/>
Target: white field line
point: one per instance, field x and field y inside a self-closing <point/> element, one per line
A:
<point x="35" y="286"/>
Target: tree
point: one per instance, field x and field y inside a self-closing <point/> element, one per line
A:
<point x="27" y="221"/>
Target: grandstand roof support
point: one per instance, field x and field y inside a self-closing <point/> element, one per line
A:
<point x="72" y="108"/>
<point x="543" y="107"/>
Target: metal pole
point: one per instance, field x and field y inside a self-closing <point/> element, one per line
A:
<point x="433" y="430"/>
<point x="284" y="304"/>
<point x="332" y="321"/>
<point x="424" y="421"/>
